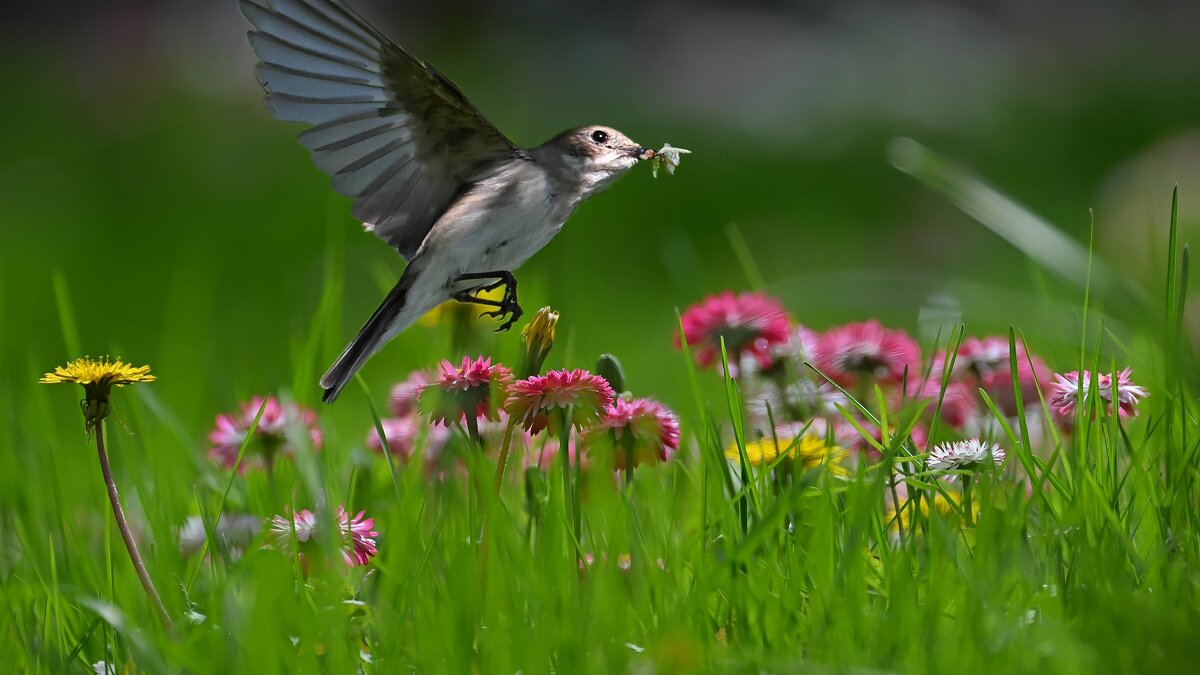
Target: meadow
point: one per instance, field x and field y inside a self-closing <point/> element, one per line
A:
<point x="851" y="500"/>
<point x="792" y="335"/>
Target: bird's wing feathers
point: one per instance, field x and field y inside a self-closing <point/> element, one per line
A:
<point x="394" y="133"/>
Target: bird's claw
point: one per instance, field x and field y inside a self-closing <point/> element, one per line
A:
<point x="507" y="306"/>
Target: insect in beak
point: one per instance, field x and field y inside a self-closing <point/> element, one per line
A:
<point x="643" y="153"/>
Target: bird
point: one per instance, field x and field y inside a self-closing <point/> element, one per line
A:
<point x="462" y="204"/>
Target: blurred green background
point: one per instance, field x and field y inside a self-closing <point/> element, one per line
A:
<point x="191" y="232"/>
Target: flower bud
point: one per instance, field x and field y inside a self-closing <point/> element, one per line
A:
<point x="539" y="340"/>
<point x="609" y="367"/>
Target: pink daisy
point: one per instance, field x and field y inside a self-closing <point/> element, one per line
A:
<point x="404" y="395"/>
<point x="1064" y="392"/>
<point x="958" y="402"/>
<point x="403" y="435"/>
<point x="270" y="438"/>
<point x="650" y="427"/>
<point x="750" y="323"/>
<point x="531" y="400"/>
<point x="999" y="385"/>
<point x="985" y="362"/>
<point x="356" y="535"/>
<point x="465" y="390"/>
<point x="304" y="522"/>
<point x="983" y="357"/>
<point x="790" y="400"/>
<point x="919" y="437"/>
<point x="835" y="430"/>
<point x="359" y="532"/>
<point x="784" y="360"/>
<point x="856" y="350"/>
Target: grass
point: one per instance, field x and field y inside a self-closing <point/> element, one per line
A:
<point x="1092" y="569"/>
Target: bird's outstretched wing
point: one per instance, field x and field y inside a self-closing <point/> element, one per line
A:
<point x="395" y="134"/>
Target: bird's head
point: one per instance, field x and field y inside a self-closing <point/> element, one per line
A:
<point x="594" y="156"/>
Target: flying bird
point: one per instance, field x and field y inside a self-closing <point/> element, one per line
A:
<point x="428" y="173"/>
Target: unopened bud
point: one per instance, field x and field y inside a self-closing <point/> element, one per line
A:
<point x="539" y="340"/>
<point x="609" y="367"/>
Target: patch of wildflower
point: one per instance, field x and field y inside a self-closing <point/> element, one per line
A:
<point x="271" y="437"/>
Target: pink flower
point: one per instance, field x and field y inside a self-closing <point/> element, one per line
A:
<point x="403" y="435"/>
<point x="465" y="390"/>
<point x="304" y="522"/>
<point x="404" y="395"/>
<point x="790" y="400"/>
<point x="531" y="400"/>
<point x="360" y="534"/>
<point x="650" y="430"/>
<point x="919" y="437"/>
<point x="270" y="438"/>
<point x="834" y="430"/>
<point x="784" y="360"/>
<point x="750" y="323"/>
<point x="356" y="536"/>
<point x="856" y="350"/>
<point x="1064" y="392"/>
<point x="984" y="357"/>
<point x="958" y="402"/>
<point x="985" y="362"/>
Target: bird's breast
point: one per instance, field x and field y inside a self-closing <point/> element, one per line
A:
<point x="502" y="221"/>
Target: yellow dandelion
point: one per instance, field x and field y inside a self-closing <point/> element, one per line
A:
<point x="943" y="506"/>
<point x="812" y="452"/>
<point x="98" y="377"/>
<point x="539" y="340"/>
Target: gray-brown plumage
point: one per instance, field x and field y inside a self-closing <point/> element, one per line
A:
<point x="429" y="174"/>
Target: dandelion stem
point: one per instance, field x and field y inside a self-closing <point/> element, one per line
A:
<point x="130" y="544"/>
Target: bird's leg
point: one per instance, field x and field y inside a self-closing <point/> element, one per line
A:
<point x="507" y="305"/>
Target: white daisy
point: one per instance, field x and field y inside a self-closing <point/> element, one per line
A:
<point x="965" y="455"/>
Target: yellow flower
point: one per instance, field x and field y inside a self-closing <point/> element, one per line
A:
<point x="944" y="507"/>
<point x="97" y="377"/>
<point x="812" y="451"/>
<point x="539" y="340"/>
<point x="459" y="312"/>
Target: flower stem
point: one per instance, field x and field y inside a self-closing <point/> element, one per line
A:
<point x="122" y="525"/>
<point x="569" y="488"/>
<point x="495" y="500"/>
<point x="474" y="465"/>
<point x="968" y="513"/>
<point x="505" y="445"/>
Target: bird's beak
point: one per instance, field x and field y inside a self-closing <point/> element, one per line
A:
<point x="642" y="153"/>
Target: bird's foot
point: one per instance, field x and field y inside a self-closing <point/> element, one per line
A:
<point x="506" y="306"/>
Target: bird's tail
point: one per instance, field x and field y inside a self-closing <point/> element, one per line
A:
<point x="399" y="310"/>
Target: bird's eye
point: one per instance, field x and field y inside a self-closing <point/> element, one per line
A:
<point x="599" y="136"/>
